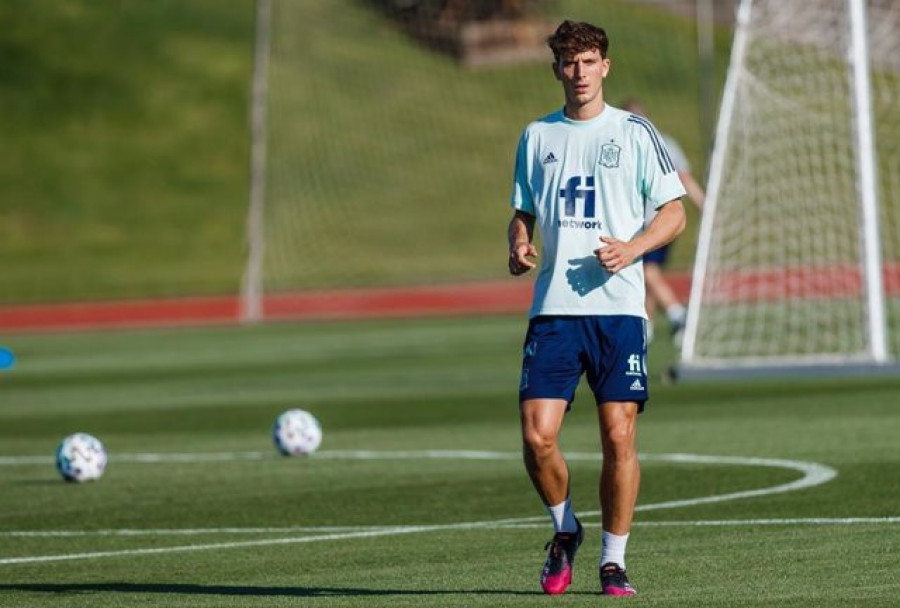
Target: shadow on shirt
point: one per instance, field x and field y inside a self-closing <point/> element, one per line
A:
<point x="586" y="274"/>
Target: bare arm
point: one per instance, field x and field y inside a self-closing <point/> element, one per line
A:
<point x="519" y="234"/>
<point x="615" y="255"/>
<point x="694" y="189"/>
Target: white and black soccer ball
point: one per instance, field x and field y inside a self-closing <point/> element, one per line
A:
<point x="296" y="433"/>
<point x="81" y="457"/>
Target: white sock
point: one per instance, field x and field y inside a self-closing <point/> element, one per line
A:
<point x="613" y="549"/>
<point x="563" y="517"/>
<point x="677" y="314"/>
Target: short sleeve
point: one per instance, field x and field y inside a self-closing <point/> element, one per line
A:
<point x="522" y="196"/>
<point x="659" y="181"/>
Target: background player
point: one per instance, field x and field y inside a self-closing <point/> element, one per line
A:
<point x="659" y="293"/>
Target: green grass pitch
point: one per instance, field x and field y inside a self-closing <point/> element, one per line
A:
<point x="390" y="513"/>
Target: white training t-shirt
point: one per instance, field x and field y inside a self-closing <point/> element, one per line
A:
<point x="583" y="179"/>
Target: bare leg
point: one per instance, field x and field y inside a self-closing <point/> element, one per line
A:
<point x="650" y="302"/>
<point x="541" y="422"/>
<point x="658" y="289"/>
<point x="621" y="474"/>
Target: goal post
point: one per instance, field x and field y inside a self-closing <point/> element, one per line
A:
<point x="798" y="262"/>
<point x="251" y="306"/>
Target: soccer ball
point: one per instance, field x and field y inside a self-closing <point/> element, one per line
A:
<point x="81" y="457"/>
<point x="296" y="433"/>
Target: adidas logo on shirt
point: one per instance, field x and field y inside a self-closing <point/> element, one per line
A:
<point x="637" y="386"/>
<point x="550" y="158"/>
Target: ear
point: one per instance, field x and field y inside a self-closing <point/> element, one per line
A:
<point x="606" y="66"/>
<point x="555" y="67"/>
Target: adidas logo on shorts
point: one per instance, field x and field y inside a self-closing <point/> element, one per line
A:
<point x="637" y="386"/>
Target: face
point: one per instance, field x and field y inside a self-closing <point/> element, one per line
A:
<point x="582" y="77"/>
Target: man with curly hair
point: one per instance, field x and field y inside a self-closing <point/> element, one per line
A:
<point x="585" y="175"/>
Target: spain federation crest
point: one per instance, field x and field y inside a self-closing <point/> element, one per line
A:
<point x="609" y="155"/>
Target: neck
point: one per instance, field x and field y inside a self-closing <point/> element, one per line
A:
<point x="587" y="111"/>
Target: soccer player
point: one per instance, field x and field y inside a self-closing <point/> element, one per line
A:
<point x="584" y="175"/>
<point x="659" y="292"/>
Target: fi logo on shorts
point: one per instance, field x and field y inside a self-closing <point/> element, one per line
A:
<point x="636" y="365"/>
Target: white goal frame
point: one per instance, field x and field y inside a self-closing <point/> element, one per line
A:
<point x="876" y="359"/>
<point x="251" y="298"/>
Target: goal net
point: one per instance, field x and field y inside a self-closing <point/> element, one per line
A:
<point x="384" y="132"/>
<point x="798" y="260"/>
<point x="378" y="156"/>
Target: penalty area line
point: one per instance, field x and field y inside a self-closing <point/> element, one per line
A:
<point x="370" y="533"/>
<point x="399" y="530"/>
<point x="813" y="474"/>
<point x="185" y="531"/>
<point x="207" y="546"/>
<point x="524" y="523"/>
<point x="788" y="521"/>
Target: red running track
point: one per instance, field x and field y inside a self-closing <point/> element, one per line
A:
<point x="510" y="296"/>
<point x="502" y="297"/>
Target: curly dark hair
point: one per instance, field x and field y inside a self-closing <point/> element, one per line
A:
<point x="573" y="37"/>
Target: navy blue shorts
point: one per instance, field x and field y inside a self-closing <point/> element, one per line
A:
<point x="657" y="256"/>
<point x="610" y="350"/>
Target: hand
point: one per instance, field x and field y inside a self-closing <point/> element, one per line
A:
<point x="518" y="258"/>
<point x="613" y="254"/>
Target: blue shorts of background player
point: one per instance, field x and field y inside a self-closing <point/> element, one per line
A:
<point x="657" y="256"/>
<point x="610" y="350"/>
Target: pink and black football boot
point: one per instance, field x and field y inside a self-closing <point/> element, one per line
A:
<point x="557" y="572"/>
<point x="614" y="582"/>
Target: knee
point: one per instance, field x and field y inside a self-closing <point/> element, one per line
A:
<point x="541" y="422"/>
<point x="619" y="441"/>
<point x="538" y="442"/>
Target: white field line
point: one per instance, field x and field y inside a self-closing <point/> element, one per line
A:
<point x="15" y="461"/>
<point x="131" y="532"/>
<point x="186" y="531"/>
<point x="714" y="523"/>
<point x="813" y="474"/>
<point x="398" y="530"/>
<point x="790" y="521"/>
<point x="231" y="545"/>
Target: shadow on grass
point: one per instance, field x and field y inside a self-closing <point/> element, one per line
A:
<point x="239" y="590"/>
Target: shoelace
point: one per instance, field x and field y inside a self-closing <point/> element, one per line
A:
<point x="558" y="541"/>
<point x="615" y="575"/>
